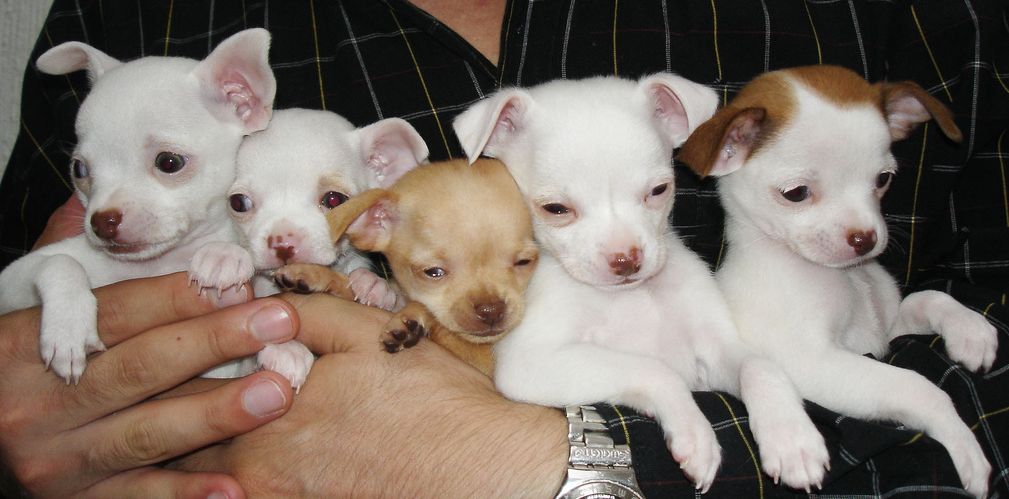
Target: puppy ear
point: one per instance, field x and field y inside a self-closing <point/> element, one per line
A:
<point x="722" y="144"/>
<point x="75" y="56"/>
<point x="366" y="219"/>
<point x="390" y="148"/>
<point x="491" y="124"/>
<point x="237" y="79"/>
<point x="906" y="105"/>
<point x="679" y="105"/>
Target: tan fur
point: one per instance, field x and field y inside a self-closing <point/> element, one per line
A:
<point x="770" y="101"/>
<point x="470" y="220"/>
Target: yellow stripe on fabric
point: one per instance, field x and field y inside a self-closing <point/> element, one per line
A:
<point x="921" y="32"/>
<point x="615" y="3"/>
<point x="999" y="78"/>
<point x="714" y="35"/>
<point x="749" y="448"/>
<point x="59" y="175"/>
<point x="986" y="309"/>
<point x="423" y="84"/>
<point x="914" y="203"/>
<point x="623" y="425"/>
<point x="318" y="63"/>
<point x="504" y="45"/>
<point x="987" y="415"/>
<point x="1005" y="187"/>
<point x="816" y="36"/>
<point x="168" y="29"/>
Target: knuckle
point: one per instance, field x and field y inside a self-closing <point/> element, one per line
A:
<point x="141" y="442"/>
<point x="220" y="344"/>
<point x="218" y="421"/>
<point x="139" y="368"/>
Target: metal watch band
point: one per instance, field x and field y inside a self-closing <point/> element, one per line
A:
<point x="597" y="468"/>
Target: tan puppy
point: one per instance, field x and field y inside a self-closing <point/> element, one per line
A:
<point x="460" y="243"/>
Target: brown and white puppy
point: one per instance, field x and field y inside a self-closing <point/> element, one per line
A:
<point x="805" y="155"/>
<point x="460" y="244"/>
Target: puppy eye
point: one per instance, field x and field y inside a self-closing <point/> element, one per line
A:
<point x="79" y="169"/>
<point x="883" y="180"/>
<point x="169" y="162"/>
<point x="332" y="199"/>
<point x="435" y="272"/>
<point x="523" y="262"/>
<point x="796" y="194"/>
<point x="660" y="189"/>
<point x="556" y="209"/>
<point x="240" y="203"/>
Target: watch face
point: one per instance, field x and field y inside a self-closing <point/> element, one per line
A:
<point x="601" y="489"/>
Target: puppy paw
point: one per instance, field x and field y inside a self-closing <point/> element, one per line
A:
<point x="693" y="444"/>
<point x="292" y="360"/>
<point x="68" y="333"/>
<point x="970" y="339"/>
<point x="220" y="266"/>
<point x="793" y="452"/>
<point x="370" y="289"/>
<point x="401" y="333"/>
<point x="307" y="278"/>
<point x="970" y="463"/>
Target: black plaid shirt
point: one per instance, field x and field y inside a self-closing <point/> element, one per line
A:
<point x="948" y="209"/>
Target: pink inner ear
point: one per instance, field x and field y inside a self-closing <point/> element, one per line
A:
<point x="238" y="93"/>
<point x="669" y="110"/>
<point x="904" y="112"/>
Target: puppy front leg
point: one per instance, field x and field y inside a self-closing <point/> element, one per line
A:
<point x="970" y="339"/>
<point x="583" y="373"/>
<point x="311" y="278"/>
<point x="221" y="265"/>
<point x="291" y="359"/>
<point x="69" y="328"/>
<point x="407" y="327"/>
<point x="864" y="388"/>
<point x="791" y="448"/>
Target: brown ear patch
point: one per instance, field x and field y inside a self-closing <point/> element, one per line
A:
<point x="903" y="98"/>
<point x="342" y="216"/>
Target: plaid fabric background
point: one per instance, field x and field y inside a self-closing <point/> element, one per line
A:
<point x="948" y="209"/>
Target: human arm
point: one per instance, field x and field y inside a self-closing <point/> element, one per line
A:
<point x="367" y="423"/>
<point x="100" y="438"/>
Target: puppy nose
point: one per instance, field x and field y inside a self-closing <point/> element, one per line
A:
<point x="284" y="249"/>
<point x="863" y="242"/>
<point x="105" y="224"/>
<point x="625" y="264"/>
<point x="490" y="313"/>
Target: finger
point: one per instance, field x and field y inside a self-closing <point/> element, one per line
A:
<point x="332" y="325"/>
<point x="130" y="307"/>
<point x="154" y="483"/>
<point x="159" y="430"/>
<point x="168" y="355"/>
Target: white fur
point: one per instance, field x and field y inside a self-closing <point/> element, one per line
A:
<point x="802" y="296"/>
<point x="135" y="110"/>
<point x="645" y="338"/>
<point x="284" y="172"/>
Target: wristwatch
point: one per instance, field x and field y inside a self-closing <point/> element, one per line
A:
<point x="597" y="468"/>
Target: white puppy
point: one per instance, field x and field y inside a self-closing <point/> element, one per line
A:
<point x="807" y="156"/>
<point x="157" y="139"/>
<point x="305" y="163"/>
<point x="619" y="309"/>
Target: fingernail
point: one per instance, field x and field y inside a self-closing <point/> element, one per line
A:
<point x="263" y="398"/>
<point x="228" y="297"/>
<point x="217" y="495"/>
<point x="271" y="324"/>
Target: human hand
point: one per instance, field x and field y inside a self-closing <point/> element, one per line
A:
<point x="100" y="438"/>
<point x="418" y="423"/>
<point x="66" y="221"/>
